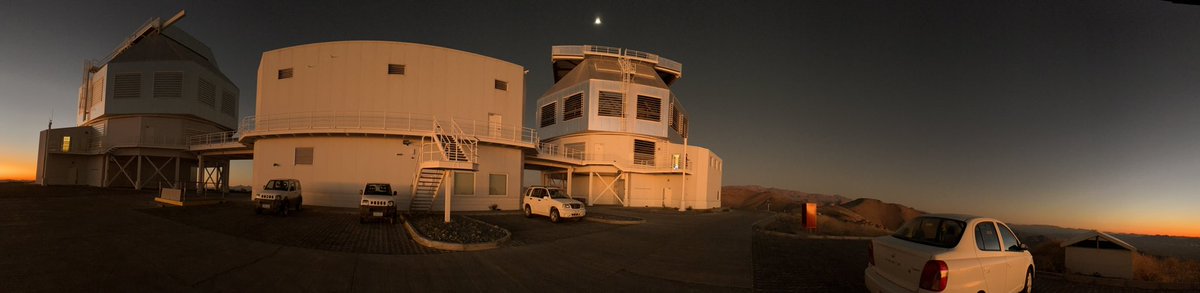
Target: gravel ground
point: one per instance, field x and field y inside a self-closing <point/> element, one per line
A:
<point x="460" y="229"/>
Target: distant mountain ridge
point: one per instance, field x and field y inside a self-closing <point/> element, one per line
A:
<point x="754" y="197"/>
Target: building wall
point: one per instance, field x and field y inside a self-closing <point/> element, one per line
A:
<point x="1113" y="263"/>
<point x="592" y="121"/>
<point x="188" y="104"/>
<point x="342" y="165"/>
<point x="353" y="77"/>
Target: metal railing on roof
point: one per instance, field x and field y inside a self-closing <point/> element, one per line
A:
<point x="581" y="50"/>
<point x="383" y="122"/>
<point x="213" y="138"/>
<point x="661" y="162"/>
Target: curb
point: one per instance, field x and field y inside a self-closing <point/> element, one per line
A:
<point x="816" y="237"/>
<point x="616" y="222"/>
<point x="451" y="246"/>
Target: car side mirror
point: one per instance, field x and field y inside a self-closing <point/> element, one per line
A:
<point x="360" y="192"/>
<point x="546" y="197"/>
<point x="1023" y="247"/>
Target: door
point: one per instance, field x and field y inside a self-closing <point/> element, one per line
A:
<point x="668" y="197"/>
<point x="1017" y="263"/>
<point x="495" y="125"/>
<point x="72" y="175"/>
<point x="992" y="258"/>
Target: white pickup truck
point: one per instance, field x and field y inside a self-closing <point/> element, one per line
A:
<point x="949" y="253"/>
<point x="279" y="195"/>
<point x="552" y="202"/>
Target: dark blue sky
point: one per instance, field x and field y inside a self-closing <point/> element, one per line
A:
<point x="1079" y="113"/>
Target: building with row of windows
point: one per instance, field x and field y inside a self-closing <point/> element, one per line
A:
<point x="442" y="126"/>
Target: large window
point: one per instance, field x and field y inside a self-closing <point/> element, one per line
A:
<point x="168" y="84"/>
<point x="127" y="85"/>
<point x="932" y="231"/>
<point x="649" y="108"/>
<point x="573" y="107"/>
<point x="229" y="103"/>
<point x="497" y="184"/>
<point x="673" y="121"/>
<point x="304" y="156"/>
<point x="464" y="183"/>
<point x="611" y="104"/>
<point x="986" y="238"/>
<point x="548" y="114"/>
<point x="207" y="93"/>
<point x="643" y="152"/>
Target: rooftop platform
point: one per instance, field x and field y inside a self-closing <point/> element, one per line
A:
<point x="566" y="58"/>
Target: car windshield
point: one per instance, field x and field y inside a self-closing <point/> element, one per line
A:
<point x="938" y="232"/>
<point x="277" y="185"/>
<point x="378" y="189"/>
<point x="558" y="193"/>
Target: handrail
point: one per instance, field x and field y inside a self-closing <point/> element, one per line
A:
<point x="557" y="152"/>
<point x="384" y="121"/>
<point x="582" y="50"/>
<point x="213" y="138"/>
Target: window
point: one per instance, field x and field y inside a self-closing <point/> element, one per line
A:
<point x="985" y="237"/>
<point x="497" y="184"/>
<point x="285" y="73"/>
<point x="304" y="156"/>
<point x="127" y="85"/>
<point x="501" y="85"/>
<point x="66" y="144"/>
<point x="649" y="108"/>
<point x="1010" y="240"/>
<point x="548" y="114"/>
<point x="168" y="84"/>
<point x="683" y="121"/>
<point x="573" y="107"/>
<point x="464" y="183"/>
<point x="396" y="69"/>
<point x="575" y="150"/>
<point x="207" y="93"/>
<point x="673" y="122"/>
<point x="611" y="104"/>
<point x="229" y="103"/>
<point x="932" y="231"/>
<point x="643" y="152"/>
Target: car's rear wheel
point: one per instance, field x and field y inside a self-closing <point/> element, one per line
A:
<point x="528" y="212"/>
<point x="554" y="215"/>
<point x="283" y="208"/>
<point x="1028" y="281"/>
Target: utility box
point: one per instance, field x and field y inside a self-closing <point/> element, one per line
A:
<point x="810" y="217"/>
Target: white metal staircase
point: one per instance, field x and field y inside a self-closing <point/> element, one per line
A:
<point x="447" y="149"/>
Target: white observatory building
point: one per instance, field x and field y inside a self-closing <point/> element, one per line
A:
<point x="136" y="108"/>
<point x="614" y="133"/>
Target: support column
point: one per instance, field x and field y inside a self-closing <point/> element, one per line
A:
<point x="200" y="175"/>
<point x="590" y="189"/>
<point x="225" y="178"/>
<point x="570" y="173"/>
<point x="104" y="173"/>
<point x="626" y="188"/>
<point x="449" y="190"/>
<point x="176" y="183"/>
<point x="137" y="184"/>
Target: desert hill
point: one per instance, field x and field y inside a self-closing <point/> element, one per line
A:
<point x="754" y="197"/>
<point x="890" y="215"/>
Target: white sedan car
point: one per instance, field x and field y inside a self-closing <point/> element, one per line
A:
<point x="950" y="253"/>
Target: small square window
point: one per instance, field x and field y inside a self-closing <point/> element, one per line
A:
<point x="285" y="73"/>
<point x="497" y="184"/>
<point x="501" y="85"/>
<point x="464" y="183"/>
<point x="304" y="156"/>
<point x="396" y="69"/>
<point x="66" y="144"/>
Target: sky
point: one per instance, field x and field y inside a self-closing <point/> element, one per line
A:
<point x="1073" y="113"/>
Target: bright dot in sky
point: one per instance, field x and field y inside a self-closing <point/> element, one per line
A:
<point x="597" y="20"/>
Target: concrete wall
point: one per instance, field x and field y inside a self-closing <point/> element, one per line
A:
<point x="1113" y="263"/>
<point x="341" y="165"/>
<point x="592" y="121"/>
<point x="353" y="77"/>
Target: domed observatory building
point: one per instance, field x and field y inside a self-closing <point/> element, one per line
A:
<point x="614" y="133"/>
<point x="136" y="109"/>
<point x="442" y="126"/>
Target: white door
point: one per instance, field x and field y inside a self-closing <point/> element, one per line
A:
<point x="992" y="257"/>
<point x="668" y="197"/>
<point x="495" y="124"/>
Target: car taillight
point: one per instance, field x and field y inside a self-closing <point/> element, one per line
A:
<point x="934" y="276"/>
<point x="871" y="253"/>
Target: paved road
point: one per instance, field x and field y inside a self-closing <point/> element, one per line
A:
<point x="84" y="239"/>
